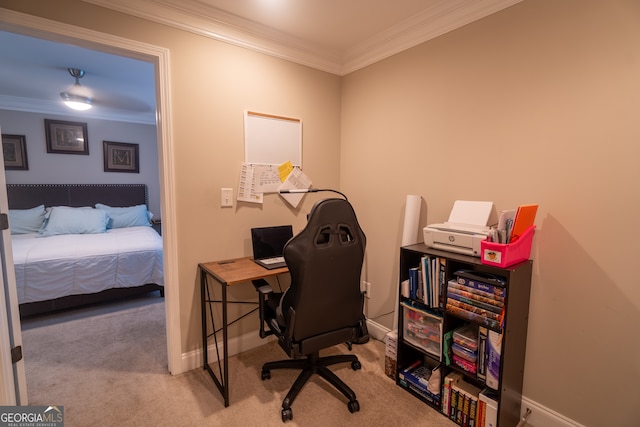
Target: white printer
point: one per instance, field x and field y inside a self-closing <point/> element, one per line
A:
<point x="465" y="229"/>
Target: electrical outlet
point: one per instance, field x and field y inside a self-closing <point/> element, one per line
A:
<point x="367" y="289"/>
<point x="226" y="199"/>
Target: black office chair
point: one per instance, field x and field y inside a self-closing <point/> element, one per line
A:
<point x="323" y="306"/>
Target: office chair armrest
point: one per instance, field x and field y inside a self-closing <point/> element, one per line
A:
<point x="262" y="286"/>
<point x="264" y="289"/>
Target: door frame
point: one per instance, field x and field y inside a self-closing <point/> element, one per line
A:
<point x="13" y="389"/>
<point x="55" y="31"/>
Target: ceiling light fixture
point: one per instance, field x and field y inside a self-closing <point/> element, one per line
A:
<point x="76" y="97"/>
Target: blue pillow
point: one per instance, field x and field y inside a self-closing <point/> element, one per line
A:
<point x="67" y="220"/>
<point x="22" y="221"/>
<point x="132" y="216"/>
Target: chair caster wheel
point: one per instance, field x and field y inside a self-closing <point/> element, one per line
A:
<point x="356" y="365"/>
<point x="353" y="406"/>
<point x="266" y="374"/>
<point x="287" y="415"/>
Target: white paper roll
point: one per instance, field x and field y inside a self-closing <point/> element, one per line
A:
<point x="410" y="233"/>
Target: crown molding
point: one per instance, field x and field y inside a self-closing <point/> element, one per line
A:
<point x="198" y="18"/>
<point x="446" y="16"/>
<point x="194" y="17"/>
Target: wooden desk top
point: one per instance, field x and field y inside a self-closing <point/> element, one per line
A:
<point x="233" y="271"/>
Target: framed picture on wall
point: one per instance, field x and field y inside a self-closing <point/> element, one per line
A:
<point x="14" y="148"/>
<point x="66" y="137"/>
<point x="120" y="157"/>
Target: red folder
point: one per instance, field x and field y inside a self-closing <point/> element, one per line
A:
<point x="525" y="216"/>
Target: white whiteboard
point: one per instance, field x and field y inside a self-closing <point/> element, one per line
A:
<point x="272" y="139"/>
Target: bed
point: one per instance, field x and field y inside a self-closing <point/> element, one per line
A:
<point x="78" y="244"/>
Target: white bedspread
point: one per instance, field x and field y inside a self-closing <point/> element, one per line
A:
<point x="56" y="266"/>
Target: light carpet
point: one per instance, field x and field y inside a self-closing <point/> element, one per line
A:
<point x="109" y="368"/>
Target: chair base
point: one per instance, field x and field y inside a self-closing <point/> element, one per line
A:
<point x="314" y="364"/>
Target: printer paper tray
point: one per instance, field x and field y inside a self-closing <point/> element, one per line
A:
<point x="451" y="248"/>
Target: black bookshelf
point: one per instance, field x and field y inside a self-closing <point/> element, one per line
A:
<point x="514" y="330"/>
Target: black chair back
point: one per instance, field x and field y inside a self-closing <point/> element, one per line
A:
<point x="325" y="261"/>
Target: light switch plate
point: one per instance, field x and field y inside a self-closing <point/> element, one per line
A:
<point x="226" y="200"/>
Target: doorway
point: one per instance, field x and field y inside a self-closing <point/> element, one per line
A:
<point x="35" y="27"/>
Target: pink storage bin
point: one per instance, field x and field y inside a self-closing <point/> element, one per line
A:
<point x="505" y="255"/>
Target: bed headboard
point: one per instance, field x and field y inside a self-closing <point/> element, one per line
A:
<point x="26" y="196"/>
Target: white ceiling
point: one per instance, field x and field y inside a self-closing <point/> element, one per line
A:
<point x="336" y="36"/>
<point x="33" y="72"/>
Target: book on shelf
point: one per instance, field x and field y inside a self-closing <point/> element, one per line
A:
<point x="472" y="294"/>
<point x="496" y="298"/>
<point x="470" y="410"/>
<point x="450" y="379"/>
<point x="465" y="410"/>
<point x="420" y="376"/>
<point x="458" y="295"/>
<point x="433" y="282"/>
<point x="453" y="402"/>
<point x="469" y="315"/>
<point x="474" y="309"/>
<point x="492" y="284"/>
<point x="480" y="413"/>
<point x="416" y="377"/>
<point x="434" y="400"/>
<point x="473" y="411"/>
<point x="467" y="402"/>
<point x="459" y="409"/>
<point x="424" y="279"/>
<point x="494" y="350"/>
<point x="442" y="266"/>
<point x="488" y="402"/>
<point x="427" y="281"/>
<point x="483" y="336"/>
<point x="403" y="375"/>
<point x="414" y="279"/>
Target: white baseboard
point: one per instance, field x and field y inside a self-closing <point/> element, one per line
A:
<point x="376" y="330"/>
<point x="541" y="416"/>
<point x="195" y="359"/>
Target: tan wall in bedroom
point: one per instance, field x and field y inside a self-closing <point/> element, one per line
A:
<point x="212" y="83"/>
<point x="536" y="104"/>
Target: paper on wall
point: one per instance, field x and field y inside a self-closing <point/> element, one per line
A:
<point x="284" y="170"/>
<point x="296" y="180"/>
<point x="267" y="178"/>
<point x="247" y="187"/>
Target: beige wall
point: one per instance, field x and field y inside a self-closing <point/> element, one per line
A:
<point x="536" y="104"/>
<point x="212" y="83"/>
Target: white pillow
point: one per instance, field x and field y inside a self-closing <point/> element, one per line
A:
<point x="22" y="221"/>
<point x="67" y="220"/>
<point x="132" y="216"/>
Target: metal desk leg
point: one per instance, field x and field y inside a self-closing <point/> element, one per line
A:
<point x="223" y="367"/>
<point x="225" y="347"/>
<point x="221" y="382"/>
<point x="203" y="307"/>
